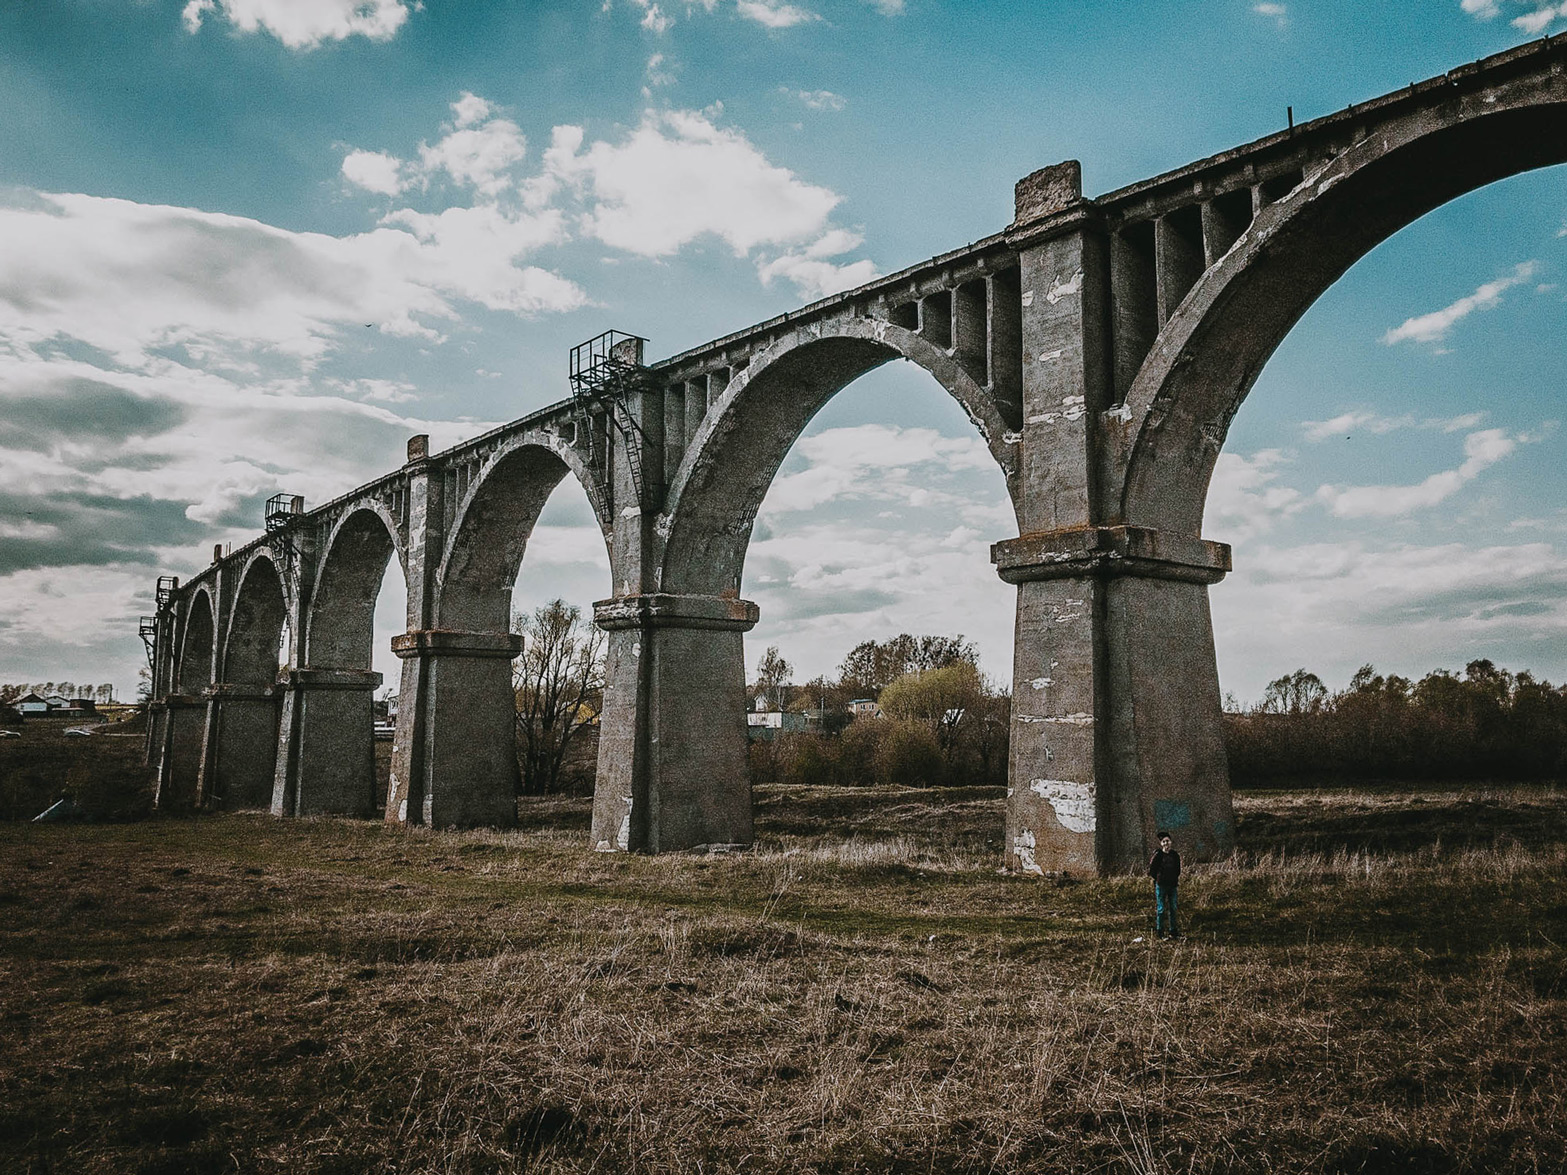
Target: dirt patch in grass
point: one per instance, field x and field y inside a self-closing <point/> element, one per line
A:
<point x="242" y="994"/>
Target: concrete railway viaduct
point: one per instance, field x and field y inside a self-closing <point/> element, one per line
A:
<point x="1101" y="348"/>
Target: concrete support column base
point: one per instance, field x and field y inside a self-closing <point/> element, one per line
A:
<point x="1116" y="720"/>
<point x="672" y="770"/>
<point x="183" y="724"/>
<point x="326" y="744"/>
<point x="240" y="769"/>
<point x="454" y="764"/>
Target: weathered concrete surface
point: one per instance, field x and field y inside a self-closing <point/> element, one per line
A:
<point x="239" y="771"/>
<point x="184" y="725"/>
<point x="674" y="702"/>
<point x="1100" y="347"/>
<point x="326" y="744"/>
<point x="455" y="761"/>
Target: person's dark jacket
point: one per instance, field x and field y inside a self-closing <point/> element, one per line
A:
<point x="1165" y="868"/>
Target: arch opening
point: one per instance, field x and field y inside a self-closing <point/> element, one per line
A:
<point x="869" y="515"/>
<point x="257" y="628"/>
<point x="737" y="454"/>
<point x="339" y="750"/>
<point x="1387" y="484"/>
<point x="196" y="651"/>
<point x="1211" y="352"/>
<point x="491" y="535"/>
<point x="529" y="534"/>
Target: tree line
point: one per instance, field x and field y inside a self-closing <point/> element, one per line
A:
<point x="1488" y="723"/>
<point x="926" y="716"/>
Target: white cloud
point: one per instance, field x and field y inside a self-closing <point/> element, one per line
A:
<point x="873" y="462"/>
<point x="887" y="7"/>
<point x="679" y="177"/>
<point x="673" y="180"/>
<point x="1407" y="608"/>
<point x="813" y="275"/>
<point x="1482" y="450"/>
<point x="374" y="171"/>
<point x="478" y="149"/>
<point x="1482" y="9"/>
<point x="1363" y="420"/>
<point x="1433" y="327"/>
<point x="138" y="280"/>
<point x="774" y="14"/>
<point x="305" y="24"/>
<point x="1244" y="499"/>
<point x="1277" y="12"/>
<point x="654" y="20"/>
<point x="816" y="99"/>
<point x="1538" y="20"/>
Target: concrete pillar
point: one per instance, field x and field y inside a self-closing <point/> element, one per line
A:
<point x="455" y="758"/>
<point x="326" y="744"/>
<point x="672" y="768"/>
<point x="1115" y="704"/>
<point x="184" y="726"/>
<point x="1116" y="716"/>
<point x="239" y="771"/>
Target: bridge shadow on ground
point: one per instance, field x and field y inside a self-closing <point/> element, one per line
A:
<point x="1400" y="818"/>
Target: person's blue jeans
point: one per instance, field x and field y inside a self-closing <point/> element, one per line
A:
<point x="1164" y="907"/>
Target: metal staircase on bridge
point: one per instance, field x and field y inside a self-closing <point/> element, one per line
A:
<point x="606" y="371"/>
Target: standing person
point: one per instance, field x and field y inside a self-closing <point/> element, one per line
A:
<point x="1165" y="869"/>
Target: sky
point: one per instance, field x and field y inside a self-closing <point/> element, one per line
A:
<point x="251" y="246"/>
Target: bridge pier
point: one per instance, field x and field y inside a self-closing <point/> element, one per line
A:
<point x="325" y="762"/>
<point x="238" y="770"/>
<point x="672" y="770"/>
<point x="183" y="726"/>
<point x="1115" y="704"/>
<point x="454" y="763"/>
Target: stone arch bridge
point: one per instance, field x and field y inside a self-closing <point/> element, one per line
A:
<point x="1100" y="346"/>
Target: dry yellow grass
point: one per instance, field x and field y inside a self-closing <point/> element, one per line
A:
<point x="1375" y="984"/>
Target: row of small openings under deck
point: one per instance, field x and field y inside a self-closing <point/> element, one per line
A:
<point x="1155" y="263"/>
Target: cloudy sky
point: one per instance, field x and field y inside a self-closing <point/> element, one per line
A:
<point x="252" y="245"/>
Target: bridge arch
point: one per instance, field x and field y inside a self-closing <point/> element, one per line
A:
<point x="493" y="523"/>
<point x="198" y="645"/>
<point x="255" y="627"/>
<point x="340" y="621"/>
<point x="237" y="772"/>
<point x="731" y="463"/>
<point x="1211" y="351"/>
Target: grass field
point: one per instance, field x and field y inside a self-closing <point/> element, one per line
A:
<point x="1377" y="983"/>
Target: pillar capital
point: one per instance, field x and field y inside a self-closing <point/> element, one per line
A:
<point x="446" y="642"/>
<point x="331" y="679"/>
<point x="667" y="610"/>
<point x="1107" y="551"/>
<point x="181" y="702"/>
<point x="238" y="692"/>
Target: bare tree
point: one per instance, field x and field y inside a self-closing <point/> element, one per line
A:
<point x="772" y="678"/>
<point x="559" y="687"/>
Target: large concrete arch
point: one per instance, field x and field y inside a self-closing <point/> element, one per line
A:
<point x="672" y="767"/>
<point x="339" y="621"/>
<point x="1212" y="349"/>
<point x="734" y="457"/>
<point x="199" y="644"/>
<point x="237" y="768"/>
<point x="326" y="749"/>
<point x="180" y="751"/>
<point x="493" y="523"/>
<point x="455" y="761"/>
<point x="255" y="627"/>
